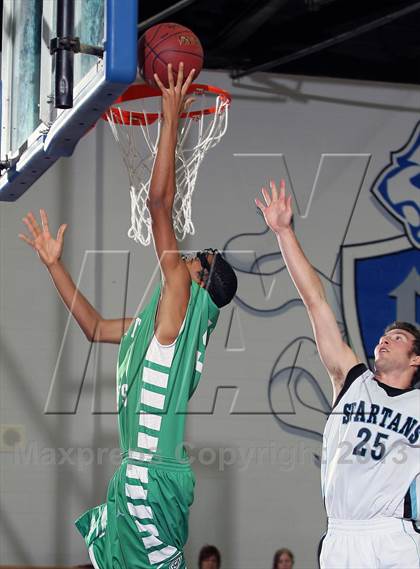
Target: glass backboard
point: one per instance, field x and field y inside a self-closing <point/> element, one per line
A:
<point x="34" y="134"/>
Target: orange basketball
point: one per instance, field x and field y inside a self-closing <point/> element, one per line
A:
<point x="168" y="43"/>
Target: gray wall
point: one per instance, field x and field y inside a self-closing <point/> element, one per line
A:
<point x="258" y="476"/>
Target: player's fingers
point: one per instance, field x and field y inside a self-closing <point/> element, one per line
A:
<point x="30" y="226"/>
<point x="26" y="239"/>
<point x="61" y="231"/>
<point x="159" y="82"/>
<point x="282" y="192"/>
<point x="187" y="104"/>
<point x="266" y="195"/>
<point x="33" y="223"/>
<point x="188" y="81"/>
<point x="289" y="202"/>
<point x="274" y="192"/>
<point x="44" y="220"/>
<point x="260" y="205"/>
<point x="180" y="78"/>
<point x="282" y="187"/>
<point x="170" y="76"/>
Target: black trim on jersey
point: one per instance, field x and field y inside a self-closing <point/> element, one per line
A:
<point x="408" y="510"/>
<point x="320" y="549"/>
<point x="355" y="372"/>
<point x="392" y="391"/>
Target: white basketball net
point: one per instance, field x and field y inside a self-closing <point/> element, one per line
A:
<point x="138" y="144"/>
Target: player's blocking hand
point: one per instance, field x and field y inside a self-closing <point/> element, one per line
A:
<point x="277" y="210"/>
<point x="48" y="248"/>
<point x="174" y="100"/>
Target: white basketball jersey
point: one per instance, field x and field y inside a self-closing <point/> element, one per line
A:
<point x="371" y="451"/>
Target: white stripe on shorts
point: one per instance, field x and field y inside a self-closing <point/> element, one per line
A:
<point x="150" y="528"/>
<point x="92" y="557"/>
<point x="138" y="473"/>
<point x="141" y="512"/>
<point x="162" y="554"/>
<point x="135" y="492"/>
<point x="151" y="541"/>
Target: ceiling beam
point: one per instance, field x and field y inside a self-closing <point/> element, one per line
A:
<point x="316" y="48"/>
<point x="143" y="26"/>
<point x="235" y="33"/>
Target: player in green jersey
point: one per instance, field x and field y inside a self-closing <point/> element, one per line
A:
<point x="144" y="522"/>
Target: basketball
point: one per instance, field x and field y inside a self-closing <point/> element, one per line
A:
<point x="168" y="43"/>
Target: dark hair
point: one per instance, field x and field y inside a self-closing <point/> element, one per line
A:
<point x="279" y="553"/>
<point x="209" y="551"/>
<point x="222" y="282"/>
<point x="407" y="327"/>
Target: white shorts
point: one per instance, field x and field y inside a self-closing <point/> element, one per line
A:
<point x="379" y="543"/>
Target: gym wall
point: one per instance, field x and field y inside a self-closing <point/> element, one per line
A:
<point x="256" y="421"/>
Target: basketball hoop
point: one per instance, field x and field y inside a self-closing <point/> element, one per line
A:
<point x="137" y="134"/>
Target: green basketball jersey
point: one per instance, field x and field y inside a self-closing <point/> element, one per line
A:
<point x="144" y="523"/>
<point x="153" y="391"/>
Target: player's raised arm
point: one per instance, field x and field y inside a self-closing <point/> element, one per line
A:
<point x="163" y="183"/>
<point x="176" y="278"/>
<point x="337" y="356"/>
<point x="49" y="250"/>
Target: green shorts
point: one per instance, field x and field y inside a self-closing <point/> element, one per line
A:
<point x="144" y="523"/>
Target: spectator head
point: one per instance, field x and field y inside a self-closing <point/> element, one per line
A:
<point x="283" y="559"/>
<point x="209" y="558"/>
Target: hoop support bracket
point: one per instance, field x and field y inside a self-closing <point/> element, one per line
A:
<point x="5" y="165"/>
<point x="73" y="44"/>
<point x="8" y="163"/>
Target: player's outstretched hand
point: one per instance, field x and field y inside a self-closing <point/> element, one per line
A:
<point x="48" y="248"/>
<point x="278" y="209"/>
<point x="174" y="100"/>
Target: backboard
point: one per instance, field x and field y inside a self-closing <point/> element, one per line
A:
<point x="34" y="134"/>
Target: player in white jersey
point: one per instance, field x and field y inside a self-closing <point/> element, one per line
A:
<point x="371" y="449"/>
